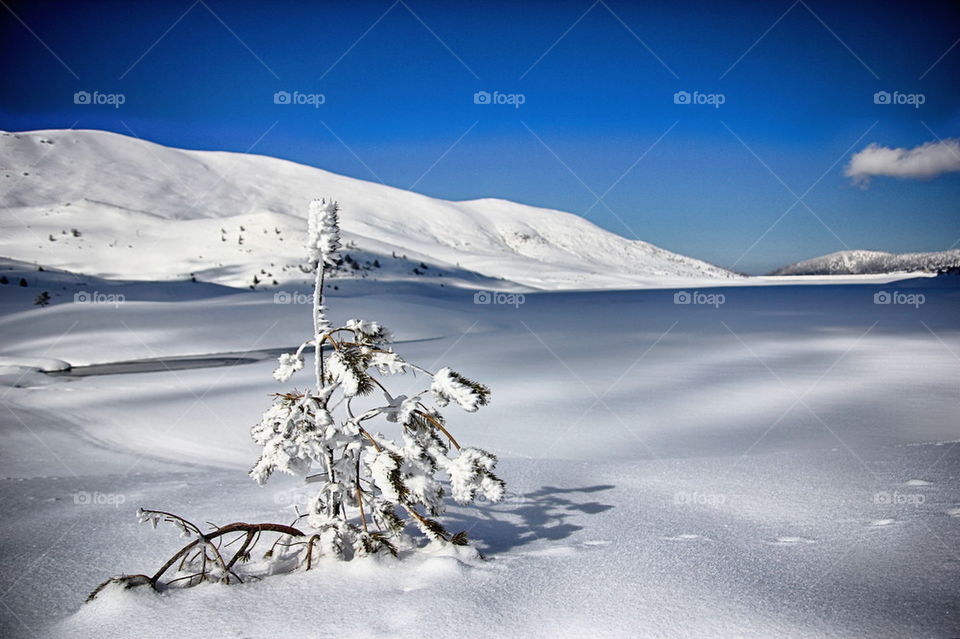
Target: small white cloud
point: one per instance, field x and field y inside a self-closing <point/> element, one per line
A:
<point x="919" y="163"/>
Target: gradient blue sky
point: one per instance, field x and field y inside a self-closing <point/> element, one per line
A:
<point x="399" y="80"/>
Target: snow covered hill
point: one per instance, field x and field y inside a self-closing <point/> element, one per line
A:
<point x="868" y="262"/>
<point x="115" y="206"/>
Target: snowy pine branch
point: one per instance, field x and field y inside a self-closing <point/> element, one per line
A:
<point x="323" y="233"/>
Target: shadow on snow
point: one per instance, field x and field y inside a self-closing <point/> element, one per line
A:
<point x="547" y="513"/>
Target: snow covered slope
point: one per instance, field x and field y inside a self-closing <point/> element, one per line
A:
<point x="144" y="211"/>
<point x="865" y="262"/>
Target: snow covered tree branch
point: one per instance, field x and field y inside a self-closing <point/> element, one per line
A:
<point x="203" y="558"/>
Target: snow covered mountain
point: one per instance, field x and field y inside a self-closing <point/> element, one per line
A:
<point x="115" y="206"/>
<point x="867" y="262"/>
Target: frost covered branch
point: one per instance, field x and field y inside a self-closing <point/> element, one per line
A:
<point x="201" y="559"/>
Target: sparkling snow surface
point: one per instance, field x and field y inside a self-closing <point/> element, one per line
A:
<point x="781" y="464"/>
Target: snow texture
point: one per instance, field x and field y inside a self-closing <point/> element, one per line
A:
<point x="698" y="499"/>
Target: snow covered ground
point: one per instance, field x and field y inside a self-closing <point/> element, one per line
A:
<point x="755" y="460"/>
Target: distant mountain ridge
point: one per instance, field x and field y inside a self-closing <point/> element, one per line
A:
<point x="115" y="206"/>
<point x="873" y="262"/>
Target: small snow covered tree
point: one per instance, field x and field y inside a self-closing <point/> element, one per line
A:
<point x="368" y="486"/>
<point x="367" y="483"/>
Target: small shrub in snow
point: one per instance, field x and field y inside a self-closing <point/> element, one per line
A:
<point x="369" y="487"/>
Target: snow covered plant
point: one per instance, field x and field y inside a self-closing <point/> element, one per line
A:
<point x="368" y="485"/>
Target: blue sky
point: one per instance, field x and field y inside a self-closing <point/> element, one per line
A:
<point x="598" y="134"/>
